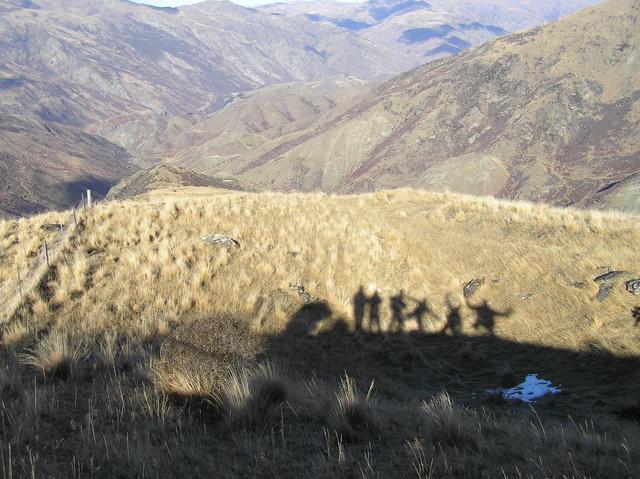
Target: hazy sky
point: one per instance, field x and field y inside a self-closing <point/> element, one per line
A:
<point x="246" y="3"/>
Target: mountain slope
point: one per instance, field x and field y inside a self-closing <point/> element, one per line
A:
<point x="166" y="176"/>
<point x="122" y="70"/>
<point x="419" y="30"/>
<point x="550" y="114"/>
<point x="620" y="195"/>
<point x="48" y="166"/>
<point x="81" y="60"/>
<point x="248" y="120"/>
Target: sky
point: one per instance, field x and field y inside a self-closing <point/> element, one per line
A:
<point x="246" y="3"/>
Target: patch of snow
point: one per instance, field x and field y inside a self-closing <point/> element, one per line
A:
<point x="528" y="391"/>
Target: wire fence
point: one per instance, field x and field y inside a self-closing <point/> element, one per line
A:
<point x="18" y="286"/>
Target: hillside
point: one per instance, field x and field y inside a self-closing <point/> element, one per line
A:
<point x="82" y="61"/>
<point x="418" y="31"/>
<point x="166" y="176"/>
<point x="205" y="141"/>
<point x="550" y="114"/>
<point x="150" y="350"/>
<point x="206" y="85"/>
<point x="45" y="165"/>
<point x="622" y="195"/>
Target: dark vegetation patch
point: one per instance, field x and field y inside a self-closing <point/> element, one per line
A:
<point x="310" y="49"/>
<point x="443" y="50"/>
<point x="350" y="24"/>
<point x="458" y="42"/>
<point x="480" y="26"/>
<point x="418" y="35"/>
<point x="314" y="17"/>
<point x="9" y="83"/>
<point x="381" y="12"/>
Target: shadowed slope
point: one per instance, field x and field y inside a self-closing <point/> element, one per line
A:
<point x="49" y="166"/>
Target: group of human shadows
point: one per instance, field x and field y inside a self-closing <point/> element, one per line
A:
<point x="404" y="308"/>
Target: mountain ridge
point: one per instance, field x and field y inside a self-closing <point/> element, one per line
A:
<point x="558" y="114"/>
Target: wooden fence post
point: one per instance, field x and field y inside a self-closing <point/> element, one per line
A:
<point x="88" y="199"/>
<point x="46" y="252"/>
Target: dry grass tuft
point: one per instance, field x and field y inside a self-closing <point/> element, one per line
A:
<point x="446" y="423"/>
<point x="351" y="413"/>
<point x="57" y="355"/>
<point x="250" y="396"/>
<point x="15" y="334"/>
<point x="183" y="385"/>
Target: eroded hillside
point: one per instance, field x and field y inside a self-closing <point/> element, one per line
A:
<point x="550" y="114"/>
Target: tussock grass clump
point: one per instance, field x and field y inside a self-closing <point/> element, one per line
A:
<point x="16" y="333"/>
<point x="250" y="396"/>
<point x="57" y="355"/>
<point x="107" y="350"/>
<point x="183" y="384"/>
<point x="446" y="423"/>
<point x="351" y="413"/>
<point x="154" y="403"/>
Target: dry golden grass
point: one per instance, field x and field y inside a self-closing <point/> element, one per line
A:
<point x="57" y="355"/>
<point x="249" y="397"/>
<point x="446" y="423"/>
<point x="166" y="317"/>
<point x="352" y="412"/>
<point x="145" y="264"/>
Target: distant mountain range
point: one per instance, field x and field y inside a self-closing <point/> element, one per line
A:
<point x="290" y="96"/>
<point x="550" y="114"/>
<point x="418" y="30"/>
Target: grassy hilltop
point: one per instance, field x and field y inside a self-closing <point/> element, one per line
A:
<point x="148" y="352"/>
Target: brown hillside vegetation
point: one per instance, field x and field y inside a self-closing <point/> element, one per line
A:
<point x="550" y="114"/>
<point x="166" y="176"/>
<point x="334" y="341"/>
<point x="46" y="166"/>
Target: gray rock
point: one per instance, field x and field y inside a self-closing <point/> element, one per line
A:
<point x="607" y="281"/>
<point x="604" y="291"/>
<point x="471" y="287"/>
<point x="610" y="276"/>
<point x="304" y="296"/>
<point x="51" y="227"/>
<point x="220" y="240"/>
<point x="633" y="286"/>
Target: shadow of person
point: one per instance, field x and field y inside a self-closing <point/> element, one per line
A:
<point x="359" y="303"/>
<point x="486" y="317"/>
<point x="419" y="313"/>
<point x="635" y="313"/>
<point x="454" y="319"/>
<point x="307" y="317"/>
<point x="374" y="312"/>
<point x="398" y="305"/>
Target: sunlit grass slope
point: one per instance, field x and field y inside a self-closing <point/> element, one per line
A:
<point x="147" y="349"/>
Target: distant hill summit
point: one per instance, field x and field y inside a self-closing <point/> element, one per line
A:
<point x="550" y="114"/>
<point x="166" y="176"/>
